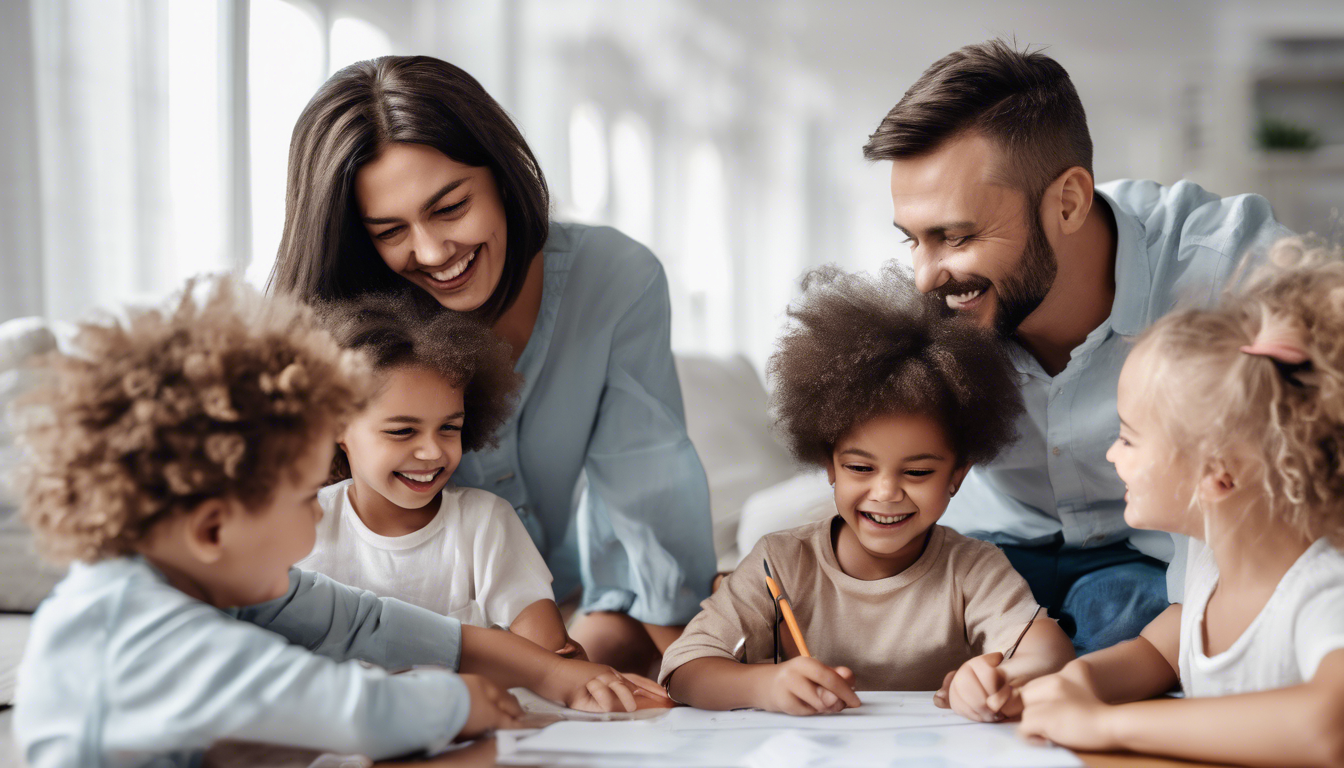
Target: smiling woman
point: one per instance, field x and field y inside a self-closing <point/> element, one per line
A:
<point x="404" y="170"/>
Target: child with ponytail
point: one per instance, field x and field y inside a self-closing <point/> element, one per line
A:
<point x="1231" y="432"/>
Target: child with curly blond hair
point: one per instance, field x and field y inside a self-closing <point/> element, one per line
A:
<point x="896" y="402"/>
<point x="177" y="457"/>
<point x="395" y="524"/>
<point x="1231" y="432"/>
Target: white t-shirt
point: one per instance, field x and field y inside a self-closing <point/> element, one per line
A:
<point x="1302" y="622"/>
<point x="474" y="561"/>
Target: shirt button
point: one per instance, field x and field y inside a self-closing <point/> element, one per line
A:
<point x="1055" y="450"/>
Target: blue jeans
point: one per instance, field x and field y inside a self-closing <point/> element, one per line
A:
<point x="1099" y="596"/>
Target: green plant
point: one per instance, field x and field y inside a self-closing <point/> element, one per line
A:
<point x="1281" y="134"/>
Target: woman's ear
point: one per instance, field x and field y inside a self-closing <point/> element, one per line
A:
<point x="203" y="527"/>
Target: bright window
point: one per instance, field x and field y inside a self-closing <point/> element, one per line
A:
<point x="355" y="40"/>
<point x="588" y="162"/>
<point x="632" y="169"/>
<point x="196" y="145"/>
<point x="286" y="54"/>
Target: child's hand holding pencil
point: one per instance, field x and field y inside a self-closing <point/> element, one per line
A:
<point x="804" y="686"/>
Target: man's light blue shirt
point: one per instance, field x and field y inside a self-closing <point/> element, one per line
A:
<point x="1177" y="244"/>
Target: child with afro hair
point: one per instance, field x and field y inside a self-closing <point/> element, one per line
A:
<point x="177" y="456"/>
<point x="896" y="401"/>
<point x="395" y="524"/>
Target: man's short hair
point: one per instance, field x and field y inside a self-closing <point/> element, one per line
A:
<point x="1022" y="100"/>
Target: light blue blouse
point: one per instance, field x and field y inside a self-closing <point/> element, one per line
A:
<point x="1173" y="244"/>
<point x="121" y="670"/>
<point x="596" y="460"/>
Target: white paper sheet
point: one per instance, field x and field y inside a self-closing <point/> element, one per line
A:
<point x="899" y="729"/>
<point x="883" y="710"/>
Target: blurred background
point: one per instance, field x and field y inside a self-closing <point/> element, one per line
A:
<point x="146" y="140"/>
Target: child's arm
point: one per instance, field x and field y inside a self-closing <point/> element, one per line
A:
<point x="541" y="623"/>
<point x="985" y="687"/>
<point x="800" y="686"/>
<point x="1136" y="669"/>
<point x="513" y="661"/>
<point x="1299" y="725"/>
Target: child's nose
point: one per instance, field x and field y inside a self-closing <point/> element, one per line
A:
<point x="427" y="450"/>
<point x="889" y="489"/>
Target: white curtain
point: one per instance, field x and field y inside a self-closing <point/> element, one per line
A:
<point x="101" y="150"/>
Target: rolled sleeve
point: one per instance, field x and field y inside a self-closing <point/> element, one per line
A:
<point x="645" y="536"/>
<point x="341" y="622"/>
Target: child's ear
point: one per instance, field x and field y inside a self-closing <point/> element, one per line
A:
<point x="1218" y="482"/>
<point x="958" y="477"/>
<point x="204" y="526"/>
<point x="830" y="469"/>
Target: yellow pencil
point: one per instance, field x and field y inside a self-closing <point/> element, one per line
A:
<point x="777" y="592"/>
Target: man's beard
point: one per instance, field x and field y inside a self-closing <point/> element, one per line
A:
<point x="1022" y="292"/>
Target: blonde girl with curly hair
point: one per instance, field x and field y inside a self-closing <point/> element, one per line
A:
<point x="1231" y="432"/>
<point x="177" y="457"/>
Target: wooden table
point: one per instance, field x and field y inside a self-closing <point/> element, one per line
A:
<point x="482" y="754"/>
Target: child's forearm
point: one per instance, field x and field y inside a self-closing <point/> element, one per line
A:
<point x="507" y="659"/>
<point x="1131" y="671"/>
<point x="541" y="623"/>
<point x="1302" y="725"/>
<point x="712" y="682"/>
<point x="1043" y="650"/>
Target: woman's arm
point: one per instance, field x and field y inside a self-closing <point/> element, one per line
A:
<point x="647" y="493"/>
<point x="1299" y="725"/>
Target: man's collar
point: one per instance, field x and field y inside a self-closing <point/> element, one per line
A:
<point x="1133" y="279"/>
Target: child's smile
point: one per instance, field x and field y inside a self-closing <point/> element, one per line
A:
<point x="405" y="445"/>
<point x="893" y="477"/>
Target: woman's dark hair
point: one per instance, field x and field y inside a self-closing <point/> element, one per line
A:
<point x="863" y="346"/>
<point x="397" y="329"/>
<point x="325" y="252"/>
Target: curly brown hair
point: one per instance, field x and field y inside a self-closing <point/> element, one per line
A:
<point x="862" y="346"/>
<point x="211" y="397"/>
<point x="1211" y="398"/>
<point x="403" y="328"/>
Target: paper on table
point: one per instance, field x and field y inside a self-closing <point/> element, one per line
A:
<point x="650" y="745"/>
<point x="978" y="744"/>
<point x="880" y="710"/>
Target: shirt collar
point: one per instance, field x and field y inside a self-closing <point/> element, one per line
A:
<point x="1133" y="279"/>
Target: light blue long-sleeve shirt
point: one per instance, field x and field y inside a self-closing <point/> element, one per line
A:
<point x="601" y="401"/>
<point x="1174" y="244"/>
<point x="124" y="670"/>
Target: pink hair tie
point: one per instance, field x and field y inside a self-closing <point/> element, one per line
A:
<point x="1281" y="340"/>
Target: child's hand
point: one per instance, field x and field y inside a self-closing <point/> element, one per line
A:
<point x="805" y="686"/>
<point x="1061" y="709"/>
<point x="594" y="687"/>
<point x="492" y="707"/>
<point x="979" y="690"/>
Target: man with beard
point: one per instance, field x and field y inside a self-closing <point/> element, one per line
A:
<point x="992" y="187"/>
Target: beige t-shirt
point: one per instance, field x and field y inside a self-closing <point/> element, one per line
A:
<point x="960" y="599"/>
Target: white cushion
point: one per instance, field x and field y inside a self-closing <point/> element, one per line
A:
<point x="728" y="424"/>
<point x="24" y="578"/>
<point x="802" y="499"/>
